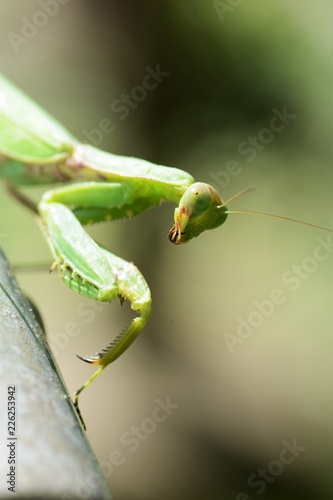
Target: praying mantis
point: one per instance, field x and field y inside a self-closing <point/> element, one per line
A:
<point x="95" y="186"/>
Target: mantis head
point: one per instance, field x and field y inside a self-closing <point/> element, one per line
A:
<point x="200" y="208"/>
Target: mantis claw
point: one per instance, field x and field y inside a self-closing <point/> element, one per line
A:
<point x="90" y="359"/>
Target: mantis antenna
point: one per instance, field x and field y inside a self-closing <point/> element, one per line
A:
<point x="272" y="216"/>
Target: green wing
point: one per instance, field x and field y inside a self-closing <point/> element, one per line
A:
<point x="27" y="132"/>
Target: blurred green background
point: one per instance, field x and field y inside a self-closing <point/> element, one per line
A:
<point x="232" y="66"/>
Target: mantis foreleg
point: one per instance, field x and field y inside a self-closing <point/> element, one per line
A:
<point x="133" y="287"/>
<point x="96" y="273"/>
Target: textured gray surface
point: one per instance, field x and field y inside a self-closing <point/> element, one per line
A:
<point x="52" y="458"/>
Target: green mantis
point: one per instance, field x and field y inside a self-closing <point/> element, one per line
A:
<point x="94" y="186"/>
<point x="35" y="149"/>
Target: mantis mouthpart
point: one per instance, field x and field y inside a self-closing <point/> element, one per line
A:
<point x="95" y="186"/>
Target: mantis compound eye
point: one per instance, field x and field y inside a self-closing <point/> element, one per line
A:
<point x="200" y="208"/>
